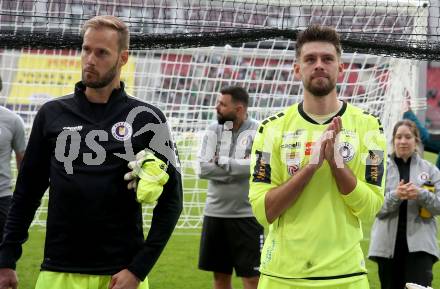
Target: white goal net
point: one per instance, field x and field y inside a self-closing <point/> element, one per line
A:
<point x="185" y="83"/>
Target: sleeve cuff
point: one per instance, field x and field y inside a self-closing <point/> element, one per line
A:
<point x="354" y="198"/>
<point x="393" y="197"/>
<point x="422" y="197"/>
<point x="138" y="273"/>
<point x="259" y="209"/>
<point x="6" y="260"/>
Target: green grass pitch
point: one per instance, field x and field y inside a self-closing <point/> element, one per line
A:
<point x="177" y="267"/>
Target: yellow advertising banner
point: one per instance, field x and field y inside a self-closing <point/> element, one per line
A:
<point x="40" y="77"/>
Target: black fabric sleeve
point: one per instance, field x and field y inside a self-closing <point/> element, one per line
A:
<point x="165" y="215"/>
<point x="32" y="182"/>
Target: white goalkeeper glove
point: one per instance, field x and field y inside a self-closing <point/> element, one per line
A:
<point x="148" y="176"/>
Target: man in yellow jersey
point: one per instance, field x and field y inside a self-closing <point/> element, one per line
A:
<point x="316" y="172"/>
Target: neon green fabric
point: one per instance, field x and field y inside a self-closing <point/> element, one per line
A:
<point x="360" y="282"/>
<point x="319" y="235"/>
<point x="152" y="178"/>
<point x="58" y="280"/>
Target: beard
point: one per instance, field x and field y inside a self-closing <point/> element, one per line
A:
<point x="320" y="89"/>
<point x="102" y="81"/>
<point x="224" y="118"/>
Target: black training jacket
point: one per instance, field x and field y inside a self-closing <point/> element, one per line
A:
<point x="94" y="224"/>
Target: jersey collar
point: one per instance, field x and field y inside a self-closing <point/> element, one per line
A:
<point x="309" y="119"/>
<point x="116" y="94"/>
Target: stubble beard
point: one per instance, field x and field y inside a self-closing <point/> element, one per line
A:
<point x="321" y="89"/>
<point x="223" y="119"/>
<point x="103" y="81"/>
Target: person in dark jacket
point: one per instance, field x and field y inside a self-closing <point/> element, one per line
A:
<point x="404" y="234"/>
<point x="79" y="148"/>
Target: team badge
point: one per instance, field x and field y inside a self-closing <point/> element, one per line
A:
<point x="293" y="160"/>
<point x="292" y="169"/>
<point x="122" y="131"/>
<point x="346" y="150"/>
<point x="423" y="177"/>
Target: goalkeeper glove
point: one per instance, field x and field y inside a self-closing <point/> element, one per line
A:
<point x="148" y="176"/>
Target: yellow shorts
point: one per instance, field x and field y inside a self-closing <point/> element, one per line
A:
<point x="57" y="280"/>
<point x="358" y="282"/>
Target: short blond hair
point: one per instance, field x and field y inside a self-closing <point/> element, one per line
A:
<point x="111" y="22"/>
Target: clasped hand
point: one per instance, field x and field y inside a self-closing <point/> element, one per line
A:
<point x="324" y="148"/>
<point x="407" y="191"/>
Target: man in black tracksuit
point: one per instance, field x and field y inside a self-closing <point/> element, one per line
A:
<point x="79" y="148"/>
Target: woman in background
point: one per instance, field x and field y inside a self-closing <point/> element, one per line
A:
<point x="404" y="234"/>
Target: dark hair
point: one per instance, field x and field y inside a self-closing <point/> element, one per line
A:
<point x="111" y="22"/>
<point x="318" y="33"/>
<point x="412" y="127"/>
<point x="237" y="93"/>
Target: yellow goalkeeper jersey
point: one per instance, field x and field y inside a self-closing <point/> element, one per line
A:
<point x="318" y="237"/>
